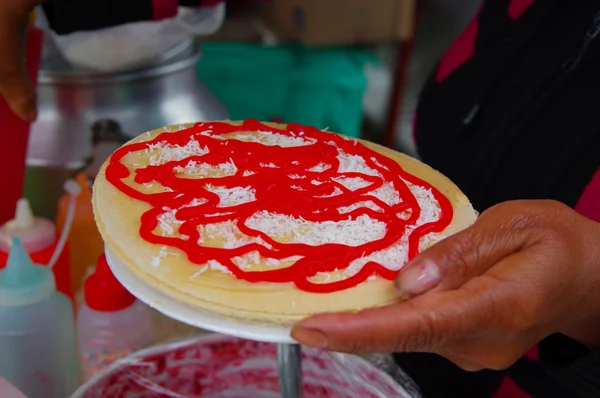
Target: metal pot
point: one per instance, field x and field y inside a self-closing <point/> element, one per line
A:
<point x="83" y="115"/>
<point x="73" y="103"/>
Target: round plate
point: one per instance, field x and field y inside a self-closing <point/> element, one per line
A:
<point x="193" y="316"/>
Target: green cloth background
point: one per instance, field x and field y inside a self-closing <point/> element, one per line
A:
<point x="318" y="87"/>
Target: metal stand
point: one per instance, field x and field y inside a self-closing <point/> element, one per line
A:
<point x="289" y="359"/>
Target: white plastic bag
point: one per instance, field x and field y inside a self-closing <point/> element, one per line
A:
<point x="135" y="45"/>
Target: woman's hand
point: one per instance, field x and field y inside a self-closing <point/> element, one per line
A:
<point x="483" y="297"/>
<point x="15" y="86"/>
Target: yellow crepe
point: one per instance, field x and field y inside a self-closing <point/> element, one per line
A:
<point x="118" y="219"/>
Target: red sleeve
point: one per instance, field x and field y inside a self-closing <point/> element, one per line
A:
<point x="200" y="3"/>
<point x="589" y="202"/>
<point x="162" y="9"/>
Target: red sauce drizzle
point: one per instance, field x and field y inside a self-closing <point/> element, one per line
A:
<point x="274" y="193"/>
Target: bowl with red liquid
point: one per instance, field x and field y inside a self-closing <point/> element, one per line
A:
<point x="217" y="366"/>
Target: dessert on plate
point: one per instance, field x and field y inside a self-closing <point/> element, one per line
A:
<point x="270" y="223"/>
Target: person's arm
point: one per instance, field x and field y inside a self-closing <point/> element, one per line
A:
<point x="15" y="86"/>
<point x="524" y="271"/>
<point x="64" y="17"/>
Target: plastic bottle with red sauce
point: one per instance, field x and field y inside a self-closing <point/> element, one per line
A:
<point x="111" y="323"/>
<point x="39" y="238"/>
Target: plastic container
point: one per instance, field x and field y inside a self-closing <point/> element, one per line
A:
<point x="85" y="242"/>
<point x="112" y="323"/>
<point x="134" y="45"/>
<point x="37" y="336"/>
<point x="39" y="238"/>
<point x="219" y="366"/>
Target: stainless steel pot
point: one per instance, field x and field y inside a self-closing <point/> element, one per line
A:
<point x="73" y="103"/>
<point x="84" y="115"/>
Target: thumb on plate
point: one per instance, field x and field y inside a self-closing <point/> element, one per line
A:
<point x="453" y="261"/>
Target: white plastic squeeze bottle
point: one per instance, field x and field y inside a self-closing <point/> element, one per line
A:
<point x="40" y="239"/>
<point x="111" y="323"/>
<point x="37" y="336"/>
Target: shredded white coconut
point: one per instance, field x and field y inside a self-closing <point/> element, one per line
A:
<point x="378" y="163"/>
<point x="195" y="202"/>
<point x="214" y="265"/>
<point x="284" y="228"/>
<point x="227" y="235"/>
<point x="162" y="152"/>
<point x="368" y="204"/>
<point x="233" y="196"/>
<point x="396" y="255"/>
<point x="352" y="183"/>
<point x="202" y="270"/>
<point x="325" y="275"/>
<point x="355" y="164"/>
<point x="273" y="139"/>
<point x="387" y="194"/>
<point x="163" y="253"/>
<point x="289" y="229"/>
<point x="248" y="260"/>
<point x="321" y="167"/>
<point x="253" y="259"/>
<point x="168" y="222"/>
<point x="203" y="170"/>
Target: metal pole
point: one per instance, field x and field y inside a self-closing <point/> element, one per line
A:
<point x="289" y="359"/>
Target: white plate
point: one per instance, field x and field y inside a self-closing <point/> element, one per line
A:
<point x="193" y="316"/>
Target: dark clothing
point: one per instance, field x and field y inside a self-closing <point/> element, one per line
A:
<point x="513" y="112"/>
<point x="519" y="119"/>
